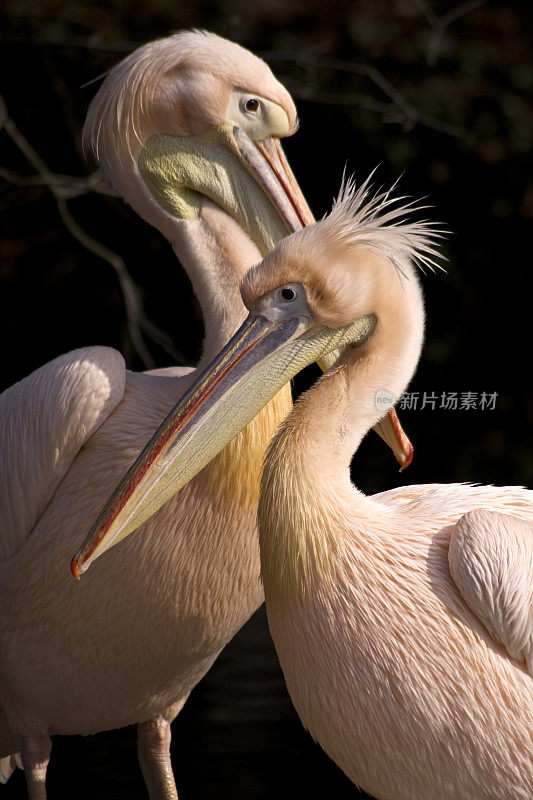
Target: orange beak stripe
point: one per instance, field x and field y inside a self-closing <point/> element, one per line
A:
<point x="152" y="450"/>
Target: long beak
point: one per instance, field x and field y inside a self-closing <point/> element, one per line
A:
<point x="180" y="447"/>
<point x="267" y="162"/>
<point x="263" y="356"/>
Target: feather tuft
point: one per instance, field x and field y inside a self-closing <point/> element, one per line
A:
<point x="381" y="221"/>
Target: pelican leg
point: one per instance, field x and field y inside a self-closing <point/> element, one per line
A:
<point x="35" y="754"/>
<point x="153" y="750"/>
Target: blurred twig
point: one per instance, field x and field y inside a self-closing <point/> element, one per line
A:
<point x="66" y="186"/>
<point x="411" y="115"/>
<point x="403" y="114"/>
<point x="306" y="58"/>
<point x="399" y="111"/>
<point x="63" y="187"/>
<point x="439" y="24"/>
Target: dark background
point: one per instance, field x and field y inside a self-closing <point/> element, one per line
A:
<point x="436" y="91"/>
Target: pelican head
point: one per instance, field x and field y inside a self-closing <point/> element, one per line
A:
<point x="193" y="120"/>
<point x="314" y="298"/>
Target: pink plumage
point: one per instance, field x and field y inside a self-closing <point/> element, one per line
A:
<point x="129" y="642"/>
<point x="403" y="621"/>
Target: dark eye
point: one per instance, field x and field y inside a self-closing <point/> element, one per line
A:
<point x="288" y="294"/>
<point x="252" y="104"/>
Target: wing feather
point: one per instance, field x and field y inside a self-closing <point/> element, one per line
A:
<point x="44" y="421"/>
<point x="491" y="562"/>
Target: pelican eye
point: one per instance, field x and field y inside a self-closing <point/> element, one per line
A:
<point x="252" y="104"/>
<point x="288" y="294"/>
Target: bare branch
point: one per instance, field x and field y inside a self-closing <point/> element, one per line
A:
<point x="428" y="12"/>
<point x="136" y="320"/>
<point x="66" y="186"/>
<point x="162" y="339"/>
<point x="130" y="293"/>
<point x="412" y="115"/>
<point x="336" y="64"/>
<point x="439" y="24"/>
<point x="388" y="89"/>
<point x="398" y="112"/>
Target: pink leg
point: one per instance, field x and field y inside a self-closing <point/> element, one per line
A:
<point x="153" y="750"/>
<point x="35" y="754"/>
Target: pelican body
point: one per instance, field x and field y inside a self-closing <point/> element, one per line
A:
<point x="403" y="621"/>
<point x="187" y="130"/>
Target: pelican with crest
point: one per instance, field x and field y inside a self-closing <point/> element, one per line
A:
<point x="403" y="621"/>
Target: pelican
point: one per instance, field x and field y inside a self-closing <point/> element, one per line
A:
<point x="403" y="621"/>
<point x="187" y="129"/>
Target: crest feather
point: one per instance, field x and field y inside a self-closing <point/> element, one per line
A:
<point x="381" y="222"/>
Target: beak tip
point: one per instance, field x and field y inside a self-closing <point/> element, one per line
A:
<point x="408" y="458"/>
<point x="76" y="569"/>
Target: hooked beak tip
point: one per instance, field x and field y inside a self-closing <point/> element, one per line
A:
<point x="408" y="458"/>
<point x="75" y="568"/>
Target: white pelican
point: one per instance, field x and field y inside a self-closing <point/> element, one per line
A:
<point x="187" y="129"/>
<point x="403" y="621"/>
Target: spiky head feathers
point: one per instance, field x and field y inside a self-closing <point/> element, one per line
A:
<point x="351" y="257"/>
<point x="180" y="86"/>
